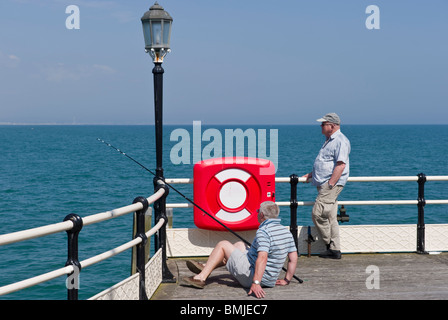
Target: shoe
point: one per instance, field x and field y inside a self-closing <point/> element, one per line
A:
<point x="190" y="281"/>
<point x="194" y="266"/>
<point x="331" y="254"/>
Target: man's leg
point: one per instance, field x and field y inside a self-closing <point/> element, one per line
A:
<point x="335" y="243"/>
<point x="325" y="216"/>
<point x="321" y="223"/>
<point x="218" y="257"/>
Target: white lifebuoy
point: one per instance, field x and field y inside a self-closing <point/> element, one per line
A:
<point x="233" y="195"/>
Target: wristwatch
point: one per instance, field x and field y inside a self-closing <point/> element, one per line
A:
<point x="330" y="186"/>
<point x="256" y="282"/>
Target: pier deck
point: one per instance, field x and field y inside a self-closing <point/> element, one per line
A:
<point x="401" y="276"/>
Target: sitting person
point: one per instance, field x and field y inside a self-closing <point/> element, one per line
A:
<point x="255" y="267"/>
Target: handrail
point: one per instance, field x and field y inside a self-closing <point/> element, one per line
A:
<point x="67" y="225"/>
<point x="99" y="217"/>
<point x="35" y="280"/>
<point x="108" y="254"/>
<point x="103" y="216"/>
<point x="366" y="202"/>
<point x="84" y="264"/>
<point x="35" y="232"/>
<point x="293" y="204"/>
<point x="352" y="179"/>
<point x="346" y="203"/>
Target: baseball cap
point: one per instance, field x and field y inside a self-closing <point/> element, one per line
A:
<point x="330" y="117"/>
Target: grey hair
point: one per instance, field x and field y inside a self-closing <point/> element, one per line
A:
<point x="269" y="209"/>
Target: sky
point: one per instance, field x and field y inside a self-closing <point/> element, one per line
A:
<point x="253" y="62"/>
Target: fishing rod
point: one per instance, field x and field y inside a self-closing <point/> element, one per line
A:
<point x="185" y="197"/>
<point x="173" y="188"/>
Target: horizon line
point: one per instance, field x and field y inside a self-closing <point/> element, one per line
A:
<point x="208" y="124"/>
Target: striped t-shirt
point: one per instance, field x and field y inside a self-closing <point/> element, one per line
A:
<point x="277" y="241"/>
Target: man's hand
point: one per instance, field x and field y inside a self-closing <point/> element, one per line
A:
<point x="281" y="282"/>
<point x="260" y="265"/>
<point x="257" y="290"/>
<point x="308" y="177"/>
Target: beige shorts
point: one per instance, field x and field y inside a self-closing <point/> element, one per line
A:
<point x="239" y="267"/>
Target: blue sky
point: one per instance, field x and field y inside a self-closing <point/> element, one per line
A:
<point x="232" y="62"/>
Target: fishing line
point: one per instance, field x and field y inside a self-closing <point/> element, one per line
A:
<point x="185" y="197"/>
<point x="173" y="188"/>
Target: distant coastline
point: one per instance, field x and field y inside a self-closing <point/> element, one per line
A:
<point x="212" y="124"/>
<point x="70" y="124"/>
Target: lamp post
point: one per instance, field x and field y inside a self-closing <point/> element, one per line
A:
<point x="157" y="32"/>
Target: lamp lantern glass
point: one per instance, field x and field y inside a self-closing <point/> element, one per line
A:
<point x="157" y="32"/>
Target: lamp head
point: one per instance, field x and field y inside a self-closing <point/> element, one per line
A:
<point x="156" y="25"/>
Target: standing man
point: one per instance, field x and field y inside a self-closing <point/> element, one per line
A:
<point x="329" y="175"/>
<point x="255" y="267"/>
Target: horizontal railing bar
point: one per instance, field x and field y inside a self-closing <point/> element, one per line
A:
<point x="347" y="203"/>
<point x="84" y="264"/>
<point x="156" y="228"/>
<point x="108" y="254"/>
<point x="382" y="179"/>
<point x="436" y="178"/>
<point x="35" y="280"/>
<point x="179" y="181"/>
<point x="103" y="216"/>
<point x="436" y="201"/>
<point x="35" y="232"/>
<point x="355" y="203"/>
<point x="179" y="205"/>
<point x="350" y="179"/>
<point x="67" y="225"/>
<point x="288" y="179"/>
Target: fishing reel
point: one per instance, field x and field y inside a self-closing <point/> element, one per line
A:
<point x="343" y="216"/>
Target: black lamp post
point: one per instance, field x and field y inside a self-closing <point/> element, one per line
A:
<point x="157" y="31"/>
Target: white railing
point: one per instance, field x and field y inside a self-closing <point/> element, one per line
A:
<point x="311" y="203"/>
<point x="68" y="225"/>
<point x="350" y="179"/>
<point x="420" y="202"/>
<point x="96" y="218"/>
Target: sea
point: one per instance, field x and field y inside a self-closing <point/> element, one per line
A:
<point x="50" y="171"/>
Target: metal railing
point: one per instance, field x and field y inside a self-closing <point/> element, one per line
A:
<point x="420" y="201"/>
<point x="73" y="224"/>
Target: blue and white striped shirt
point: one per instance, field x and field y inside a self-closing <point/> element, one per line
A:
<point x="277" y="241"/>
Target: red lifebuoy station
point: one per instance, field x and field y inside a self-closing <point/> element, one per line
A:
<point x="231" y="189"/>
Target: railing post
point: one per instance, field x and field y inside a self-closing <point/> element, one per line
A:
<point x="140" y="221"/>
<point x="294" y="179"/>
<point x="160" y="212"/>
<point x="72" y="282"/>
<point x="421" y="213"/>
<point x="148" y="222"/>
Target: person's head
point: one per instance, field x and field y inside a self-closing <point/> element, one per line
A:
<point x="330" y="123"/>
<point x="268" y="210"/>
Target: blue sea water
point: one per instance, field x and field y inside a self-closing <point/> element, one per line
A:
<point x="47" y="172"/>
